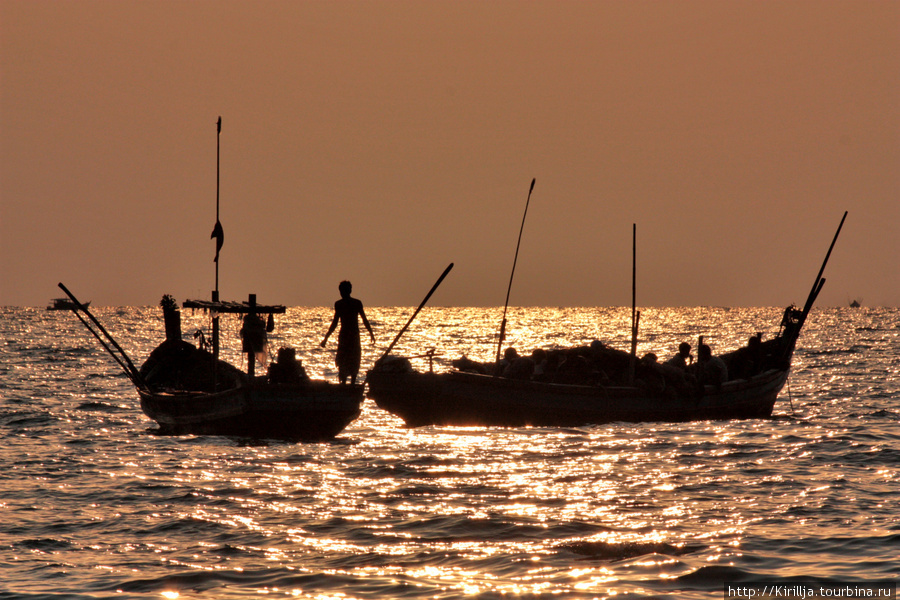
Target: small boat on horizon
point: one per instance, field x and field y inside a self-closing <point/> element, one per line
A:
<point x="63" y="304"/>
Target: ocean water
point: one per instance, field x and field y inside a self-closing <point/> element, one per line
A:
<point x="95" y="504"/>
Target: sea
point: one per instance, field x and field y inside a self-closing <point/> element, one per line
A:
<point x="95" y="503"/>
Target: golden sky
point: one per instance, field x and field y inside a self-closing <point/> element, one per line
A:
<point x="379" y="141"/>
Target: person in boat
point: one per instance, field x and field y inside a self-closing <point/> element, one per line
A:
<point x="683" y="358"/>
<point x="520" y="367"/>
<point x="747" y="361"/>
<point x="510" y="355"/>
<point x="347" y="312"/>
<point x="287" y="369"/>
<point x="540" y="361"/>
<point x="575" y="368"/>
<point x="254" y="338"/>
<point x="712" y="370"/>
<point x="649" y="373"/>
<point x="677" y="378"/>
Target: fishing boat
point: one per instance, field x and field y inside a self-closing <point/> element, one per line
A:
<point x="613" y="385"/>
<point x="467" y="398"/>
<point x="188" y="389"/>
<point x="63" y="304"/>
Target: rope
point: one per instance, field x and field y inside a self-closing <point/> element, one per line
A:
<point x="791" y="400"/>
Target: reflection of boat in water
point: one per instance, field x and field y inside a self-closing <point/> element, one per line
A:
<point x="622" y="388"/>
<point x="63" y="304"/>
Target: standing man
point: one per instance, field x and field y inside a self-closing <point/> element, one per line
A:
<point x="349" y="352"/>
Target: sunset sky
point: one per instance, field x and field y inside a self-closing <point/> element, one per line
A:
<point x="379" y="141"/>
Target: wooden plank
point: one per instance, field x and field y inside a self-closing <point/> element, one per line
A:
<point x="224" y="306"/>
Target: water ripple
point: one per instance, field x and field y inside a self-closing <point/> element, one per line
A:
<point x="94" y="504"/>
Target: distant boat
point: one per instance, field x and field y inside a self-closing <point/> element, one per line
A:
<point x="63" y="304"/>
<point x="632" y="390"/>
<point x="855" y="304"/>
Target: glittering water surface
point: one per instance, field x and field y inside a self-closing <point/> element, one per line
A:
<point x="93" y="504"/>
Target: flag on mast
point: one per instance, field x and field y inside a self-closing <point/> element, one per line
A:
<point x="219" y="234"/>
<point x="217" y="231"/>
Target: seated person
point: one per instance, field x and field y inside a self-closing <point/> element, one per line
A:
<point x="287" y="369"/>
<point x="683" y="358"/>
<point x="712" y="369"/>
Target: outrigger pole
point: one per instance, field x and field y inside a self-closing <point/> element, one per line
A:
<point x="810" y="300"/>
<point x="427" y="296"/>
<point x="106" y="340"/>
<point x="820" y="281"/>
<point x="508" y="289"/>
<point x="635" y="314"/>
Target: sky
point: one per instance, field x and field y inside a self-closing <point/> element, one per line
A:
<point x="379" y="141"/>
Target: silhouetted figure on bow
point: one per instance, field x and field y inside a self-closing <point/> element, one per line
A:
<point x="347" y="311"/>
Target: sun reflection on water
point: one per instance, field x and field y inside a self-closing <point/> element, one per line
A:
<point x="448" y="511"/>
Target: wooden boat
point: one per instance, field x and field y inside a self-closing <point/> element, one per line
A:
<point x="622" y="389"/>
<point x="63" y="304"/>
<point x="473" y="399"/>
<point x="311" y="412"/>
<point x="189" y="390"/>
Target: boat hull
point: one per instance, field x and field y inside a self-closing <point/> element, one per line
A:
<point x="468" y="399"/>
<point x="315" y="411"/>
<point x="65" y="304"/>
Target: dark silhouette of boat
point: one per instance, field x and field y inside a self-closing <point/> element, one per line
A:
<point x="632" y="390"/>
<point x="855" y="304"/>
<point x="63" y="304"/>
<point x="313" y="412"/>
<point x="466" y="398"/>
<point x="187" y="389"/>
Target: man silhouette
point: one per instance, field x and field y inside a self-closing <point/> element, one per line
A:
<point x="349" y="352"/>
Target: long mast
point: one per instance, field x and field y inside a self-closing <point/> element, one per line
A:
<point x="218" y="134"/>
<point x="509" y="288"/>
<point x="217" y="230"/>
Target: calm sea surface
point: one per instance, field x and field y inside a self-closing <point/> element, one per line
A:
<point x="93" y="504"/>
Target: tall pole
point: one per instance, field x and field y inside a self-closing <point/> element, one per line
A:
<point x="635" y="315"/>
<point x="817" y="284"/>
<point x="421" y="304"/>
<point x="218" y="134"/>
<point x="509" y="288"/>
<point x="217" y="232"/>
